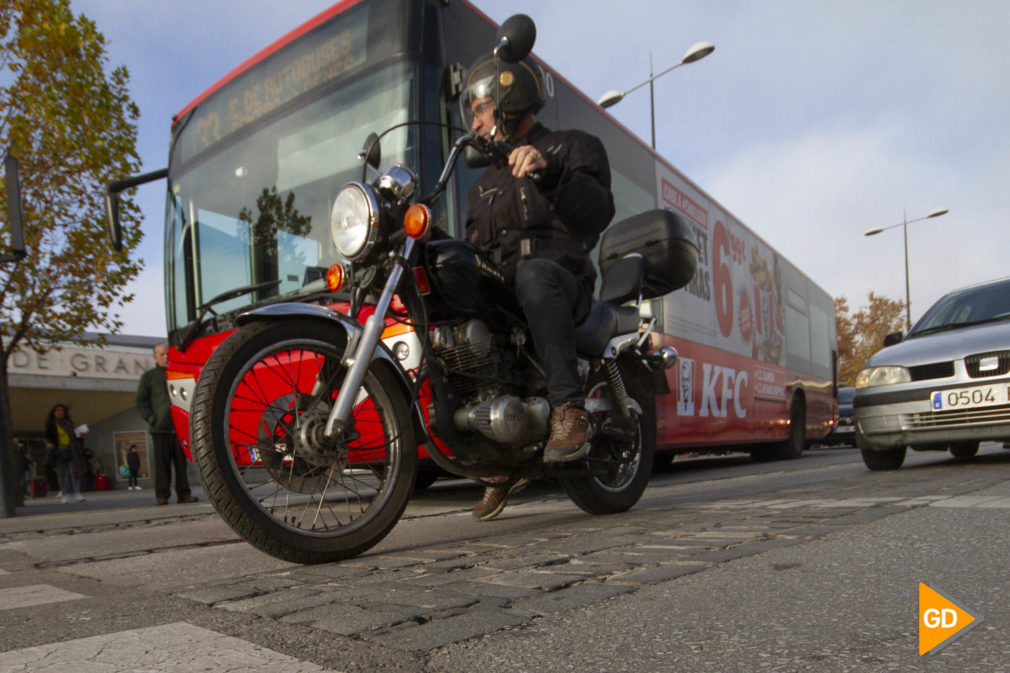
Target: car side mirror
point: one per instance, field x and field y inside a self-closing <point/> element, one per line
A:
<point x="893" y="338"/>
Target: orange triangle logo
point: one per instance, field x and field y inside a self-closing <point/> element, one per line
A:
<point x="941" y="621"/>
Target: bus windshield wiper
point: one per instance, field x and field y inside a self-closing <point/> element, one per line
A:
<point x="958" y="325"/>
<point x="194" y="327"/>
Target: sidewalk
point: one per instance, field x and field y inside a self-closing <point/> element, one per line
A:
<point x="100" y="508"/>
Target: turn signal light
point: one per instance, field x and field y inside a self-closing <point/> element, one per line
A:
<point x="335" y="277"/>
<point x="416" y="220"/>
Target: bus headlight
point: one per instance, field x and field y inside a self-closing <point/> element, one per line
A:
<point x="354" y="220"/>
<point x="882" y="376"/>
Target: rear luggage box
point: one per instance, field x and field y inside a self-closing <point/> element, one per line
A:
<point x="666" y="241"/>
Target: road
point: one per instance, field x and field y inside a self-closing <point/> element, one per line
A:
<point x="725" y="565"/>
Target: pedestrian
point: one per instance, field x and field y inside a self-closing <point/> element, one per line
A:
<point x="65" y="456"/>
<point x="133" y="465"/>
<point x="23" y="465"/>
<point x="539" y="215"/>
<point x="155" y="407"/>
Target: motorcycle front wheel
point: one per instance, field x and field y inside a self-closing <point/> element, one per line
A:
<point x="259" y="410"/>
<point x="620" y="460"/>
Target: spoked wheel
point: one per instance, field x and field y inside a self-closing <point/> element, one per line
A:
<point x="258" y="434"/>
<point x="621" y="455"/>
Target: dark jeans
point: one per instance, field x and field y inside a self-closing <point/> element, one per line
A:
<point x="133" y="477"/>
<point x="554" y="301"/>
<point x="168" y="455"/>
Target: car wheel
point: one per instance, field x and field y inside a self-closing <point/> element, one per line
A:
<point x="888" y="459"/>
<point x="964" y="450"/>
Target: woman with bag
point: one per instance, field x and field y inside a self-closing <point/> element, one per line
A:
<point x="65" y="451"/>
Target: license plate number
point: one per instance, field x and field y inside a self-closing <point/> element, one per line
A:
<point x="969" y="398"/>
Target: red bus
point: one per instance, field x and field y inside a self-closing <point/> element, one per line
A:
<point x="256" y="161"/>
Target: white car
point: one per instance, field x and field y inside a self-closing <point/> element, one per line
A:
<point x="946" y="386"/>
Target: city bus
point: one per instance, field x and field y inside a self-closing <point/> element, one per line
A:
<point x="256" y="161"/>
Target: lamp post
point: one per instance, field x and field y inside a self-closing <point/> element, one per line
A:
<point x="904" y="225"/>
<point x="696" y="52"/>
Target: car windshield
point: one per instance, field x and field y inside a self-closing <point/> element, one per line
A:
<point x="971" y="306"/>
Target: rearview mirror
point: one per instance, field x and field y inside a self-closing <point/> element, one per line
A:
<point x="112" y="203"/>
<point x="371" y="151"/>
<point x="15" y="219"/>
<point x="514" y="39"/>
<point x="893" y="338"/>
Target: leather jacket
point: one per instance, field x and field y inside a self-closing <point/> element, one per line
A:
<point x="558" y="217"/>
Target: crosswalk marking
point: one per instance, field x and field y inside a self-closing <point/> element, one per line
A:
<point x="35" y="594"/>
<point x="157" y="649"/>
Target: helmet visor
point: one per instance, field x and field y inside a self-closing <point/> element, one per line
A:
<point x="471" y="100"/>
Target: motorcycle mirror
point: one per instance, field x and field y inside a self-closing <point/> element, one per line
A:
<point x="474" y="158"/>
<point x="15" y="221"/>
<point x="514" y="39"/>
<point x="371" y="151"/>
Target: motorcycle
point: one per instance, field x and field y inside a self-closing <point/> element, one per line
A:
<point x="305" y="428"/>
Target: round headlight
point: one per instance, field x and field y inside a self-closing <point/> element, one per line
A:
<point x="354" y="220"/>
<point x="882" y="376"/>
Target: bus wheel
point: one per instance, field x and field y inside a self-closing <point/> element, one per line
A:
<point x="793" y="446"/>
<point x="888" y="459"/>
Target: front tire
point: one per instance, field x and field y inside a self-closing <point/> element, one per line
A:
<point x="621" y="459"/>
<point x="964" y="450"/>
<point x="258" y="411"/>
<point x="888" y="459"/>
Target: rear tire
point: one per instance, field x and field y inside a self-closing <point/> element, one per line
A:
<point x="625" y="465"/>
<point x="888" y="459"/>
<point x="258" y="411"/>
<point x="964" y="450"/>
<point x="793" y="446"/>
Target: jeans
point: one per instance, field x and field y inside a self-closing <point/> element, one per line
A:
<point x="554" y="301"/>
<point x="69" y="482"/>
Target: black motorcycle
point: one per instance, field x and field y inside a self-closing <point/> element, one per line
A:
<point x="306" y="428"/>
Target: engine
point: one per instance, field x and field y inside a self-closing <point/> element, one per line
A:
<point x="479" y="371"/>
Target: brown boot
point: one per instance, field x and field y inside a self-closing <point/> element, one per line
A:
<point x="495" y="497"/>
<point x="569" y="434"/>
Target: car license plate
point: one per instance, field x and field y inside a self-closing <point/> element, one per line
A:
<point x="845" y="428"/>
<point x="970" y="398"/>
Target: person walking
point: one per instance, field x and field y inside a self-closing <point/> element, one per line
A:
<point x="133" y="465"/>
<point x="65" y="446"/>
<point x="155" y="407"/>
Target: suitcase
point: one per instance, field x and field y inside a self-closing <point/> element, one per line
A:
<point x="664" y="239"/>
<point x="38" y="487"/>
<point x="101" y="482"/>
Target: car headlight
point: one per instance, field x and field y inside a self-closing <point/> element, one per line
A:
<point x="354" y="220"/>
<point x="882" y="376"/>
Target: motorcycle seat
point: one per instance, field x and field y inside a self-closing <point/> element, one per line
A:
<point x="604" y="322"/>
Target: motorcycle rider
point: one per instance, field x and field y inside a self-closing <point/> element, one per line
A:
<point x="539" y="216"/>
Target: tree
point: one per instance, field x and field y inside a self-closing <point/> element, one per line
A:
<point x="72" y="125"/>
<point x="861" y="334"/>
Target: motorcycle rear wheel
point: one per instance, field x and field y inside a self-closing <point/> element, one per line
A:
<point x="258" y="410"/>
<point x="623" y="465"/>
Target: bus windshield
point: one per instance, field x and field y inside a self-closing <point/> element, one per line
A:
<point x="251" y="183"/>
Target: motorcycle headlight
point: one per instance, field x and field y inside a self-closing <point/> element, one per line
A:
<point x="354" y="220"/>
<point x="882" y="376"/>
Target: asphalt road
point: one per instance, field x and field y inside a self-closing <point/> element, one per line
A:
<point x="725" y="565"/>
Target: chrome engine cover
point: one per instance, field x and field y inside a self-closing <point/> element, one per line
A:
<point x="506" y="419"/>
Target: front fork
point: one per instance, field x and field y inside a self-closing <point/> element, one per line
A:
<point x="359" y="355"/>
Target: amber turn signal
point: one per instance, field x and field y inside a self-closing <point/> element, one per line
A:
<point x="416" y="220"/>
<point x="335" y="277"/>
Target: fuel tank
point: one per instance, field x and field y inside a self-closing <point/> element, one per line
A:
<point x="464" y="280"/>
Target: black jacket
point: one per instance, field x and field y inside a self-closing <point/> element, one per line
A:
<point x="153" y="403"/>
<point x="559" y="217"/>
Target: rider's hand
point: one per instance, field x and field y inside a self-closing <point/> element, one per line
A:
<point x="525" y="160"/>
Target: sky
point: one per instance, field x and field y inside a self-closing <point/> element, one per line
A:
<point x="812" y="122"/>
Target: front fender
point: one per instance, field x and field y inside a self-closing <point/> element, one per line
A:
<point x="382" y="356"/>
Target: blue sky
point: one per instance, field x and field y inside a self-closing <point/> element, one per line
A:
<point x="812" y="122"/>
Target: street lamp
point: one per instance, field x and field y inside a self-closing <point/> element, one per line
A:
<point x="696" y="52"/>
<point x="904" y="224"/>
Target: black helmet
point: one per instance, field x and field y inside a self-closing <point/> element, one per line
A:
<point x="515" y="87"/>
